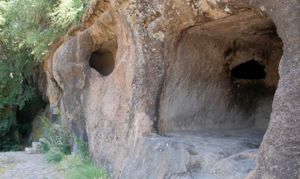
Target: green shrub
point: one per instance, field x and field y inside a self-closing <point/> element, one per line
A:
<point x="82" y="146"/>
<point x="55" y="141"/>
<point x="55" y="144"/>
<point x="76" y="167"/>
<point x="79" y="165"/>
<point x="45" y="145"/>
<point x="9" y="139"/>
<point x="7" y="121"/>
<point x="55" y="155"/>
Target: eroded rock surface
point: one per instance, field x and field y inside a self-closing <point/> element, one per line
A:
<point x="137" y="71"/>
<point x="198" y="154"/>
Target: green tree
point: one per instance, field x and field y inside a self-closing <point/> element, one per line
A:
<point x="27" y="30"/>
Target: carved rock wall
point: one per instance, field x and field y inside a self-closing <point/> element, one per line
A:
<point x="172" y="62"/>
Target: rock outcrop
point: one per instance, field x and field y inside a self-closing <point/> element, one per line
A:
<point x="183" y="89"/>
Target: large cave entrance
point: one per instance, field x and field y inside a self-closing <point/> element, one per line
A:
<point x="223" y="75"/>
<point x="219" y="87"/>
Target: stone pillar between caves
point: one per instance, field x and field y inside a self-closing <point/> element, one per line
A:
<point x="279" y="152"/>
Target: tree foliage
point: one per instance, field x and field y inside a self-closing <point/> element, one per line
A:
<point x="27" y="29"/>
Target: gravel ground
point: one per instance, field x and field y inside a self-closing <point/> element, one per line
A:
<point x="20" y="165"/>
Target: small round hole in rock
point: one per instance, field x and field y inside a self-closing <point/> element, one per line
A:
<point x="250" y="70"/>
<point x="103" y="62"/>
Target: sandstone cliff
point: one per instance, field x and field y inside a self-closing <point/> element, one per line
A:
<point x="183" y="89"/>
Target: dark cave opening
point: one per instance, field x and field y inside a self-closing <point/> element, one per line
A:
<point x="219" y="88"/>
<point x="103" y="62"/>
<point x="249" y="70"/>
<point x="26" y="115"/>
<point x="221" y="78"/>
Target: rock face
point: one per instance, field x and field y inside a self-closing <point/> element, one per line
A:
<point x="184" y="89"/>
<point x="200" y="154"/>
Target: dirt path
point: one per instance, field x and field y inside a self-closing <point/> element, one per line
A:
<point x="20" y="165"/>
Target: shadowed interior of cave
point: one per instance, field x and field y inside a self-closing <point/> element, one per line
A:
<point x="27" y="114"/>
<point x="222" y="75"/>
<point x="249" y="70"/>
<point x="219" y="87"/>
<point x="103" y="62"/>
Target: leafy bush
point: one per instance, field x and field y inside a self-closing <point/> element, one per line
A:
<point x="55" y="155"/>
<point x="57" y="148"/>
<point x="79" y="165"/>
<point x="7" y="121"/>
<point x="8" y="136"/>
<point x="82" y="147"/>
<point x="55" y="142"/>
<point x="75" y="167"/>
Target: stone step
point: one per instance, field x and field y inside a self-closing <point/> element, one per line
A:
<point x="35" y="149"/>
<point x="30" y="150"/>
<point x="36" y="146"/>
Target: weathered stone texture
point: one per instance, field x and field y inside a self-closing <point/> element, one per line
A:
<point x="172" y="74"/>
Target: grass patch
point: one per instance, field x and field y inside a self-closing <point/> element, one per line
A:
<point x="57" y="149"/>
<point x="55" y="142"/>
<point x="55" y="155"/>
<point x="75" y="167"/>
